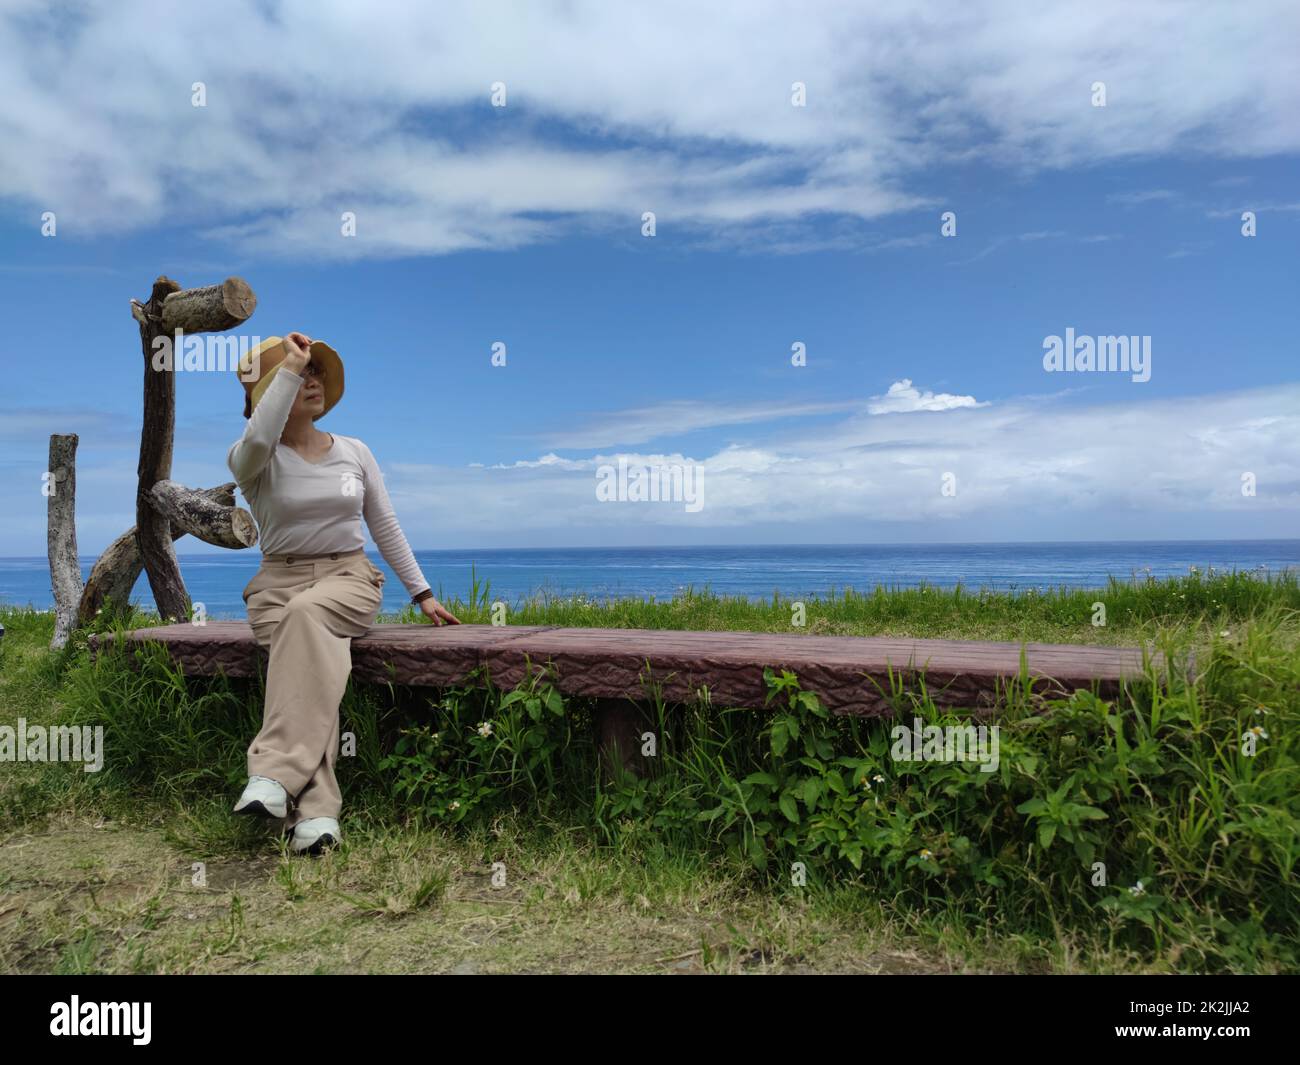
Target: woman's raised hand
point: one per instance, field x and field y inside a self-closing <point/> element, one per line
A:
<point x="297" y="347"/>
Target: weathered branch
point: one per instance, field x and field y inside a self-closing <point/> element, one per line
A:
<point x="199" y="515"/>
<point x="61" y="536"/>
<point x="114" y="575"/>
<point x="210" y="309"/>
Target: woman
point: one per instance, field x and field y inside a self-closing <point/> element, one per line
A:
<point x="316" y="589"/>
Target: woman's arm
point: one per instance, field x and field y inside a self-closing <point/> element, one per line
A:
<point x="377" y="509"/>
<point x="251" y="452"/>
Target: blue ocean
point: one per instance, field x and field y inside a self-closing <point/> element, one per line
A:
<point x="796" y="571"/>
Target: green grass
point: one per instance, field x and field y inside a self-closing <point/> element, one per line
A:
<point x="1133" y="610"/>
<point x="935" y="866"/>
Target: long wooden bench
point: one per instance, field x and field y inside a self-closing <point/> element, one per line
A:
<point x="847" y="672"/>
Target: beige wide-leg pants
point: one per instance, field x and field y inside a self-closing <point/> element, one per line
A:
<point x="305" y="611"/>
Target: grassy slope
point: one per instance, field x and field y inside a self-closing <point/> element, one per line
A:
<point x="97" y="867"/>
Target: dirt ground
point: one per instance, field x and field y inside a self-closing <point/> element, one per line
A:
<point x="91" y="896"/>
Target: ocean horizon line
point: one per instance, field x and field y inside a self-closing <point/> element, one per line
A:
<point x="220" y="552"/>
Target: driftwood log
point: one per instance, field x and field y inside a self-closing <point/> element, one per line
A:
<point x="113" y="577"/>
<point x="196" y="513"/>
<point x="168" y="309"/>
<point x="212" y="309"/>
<point x="61" y="536"/>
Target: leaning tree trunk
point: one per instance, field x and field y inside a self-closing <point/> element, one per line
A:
<point x="61" y="536"/>
<point x="113" y="577"/>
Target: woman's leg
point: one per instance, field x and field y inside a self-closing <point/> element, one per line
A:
<point x="309" y="627"/>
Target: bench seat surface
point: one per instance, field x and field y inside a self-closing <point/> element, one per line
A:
<point x="611" y="663"/>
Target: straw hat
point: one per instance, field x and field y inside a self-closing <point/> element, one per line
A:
<point x="258" y="367"/>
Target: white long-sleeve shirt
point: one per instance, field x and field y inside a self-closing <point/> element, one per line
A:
<point x="315" y="508"/>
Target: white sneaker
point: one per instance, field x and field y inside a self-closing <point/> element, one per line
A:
<point x="314" y="835"/>
<point x="265" y="797"/>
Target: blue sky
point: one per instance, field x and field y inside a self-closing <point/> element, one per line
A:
<point x="774" y="225"/>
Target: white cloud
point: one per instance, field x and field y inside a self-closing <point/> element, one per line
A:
<point x="1128" y="469"/>
<point x="680" y="108"/>
<point x="1115" y="471"/>
<point x="642" y="424"/>
<point x="904" y="397"/>
<point x="548" y="460"/>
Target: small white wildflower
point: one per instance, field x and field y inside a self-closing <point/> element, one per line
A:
<point x="485" y="729"/>
<point x="1258" y="730"/>
<point x="925" y="854"/>
<point x="455" y="804"/>
<point x="1225" y="634"/>
<point x="878" y="779"/>
<point x="1137" y="889"/>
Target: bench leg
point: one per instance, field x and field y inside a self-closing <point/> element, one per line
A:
<point x="619" y="724"/>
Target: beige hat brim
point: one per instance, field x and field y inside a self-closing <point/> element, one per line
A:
<point x="323" y="355"/>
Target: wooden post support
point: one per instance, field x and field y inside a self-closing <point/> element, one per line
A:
<point x="169" y="309"/>
<point x="113" y="577"/>
<point x="153" y="530"/>
<point x="61" y="536"/>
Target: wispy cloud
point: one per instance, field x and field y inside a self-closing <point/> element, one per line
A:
<point x="1136" y="199"/>
<point x="918" y="240"/>
<point x="1268" y="207"/>
<point x="1103" y="464"/>
<point x="1190" y="248"/>
<point x="611" y="111"/>
<point x="41" y="269"/>
<point x="34" y="425"/>
<point x="640" y="425"/>
<point x="1016" y="238"/>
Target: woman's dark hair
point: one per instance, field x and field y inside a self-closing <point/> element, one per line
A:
<point x="248" y="405"/>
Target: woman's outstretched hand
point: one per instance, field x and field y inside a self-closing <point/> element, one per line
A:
<point x="437" y="613"/>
